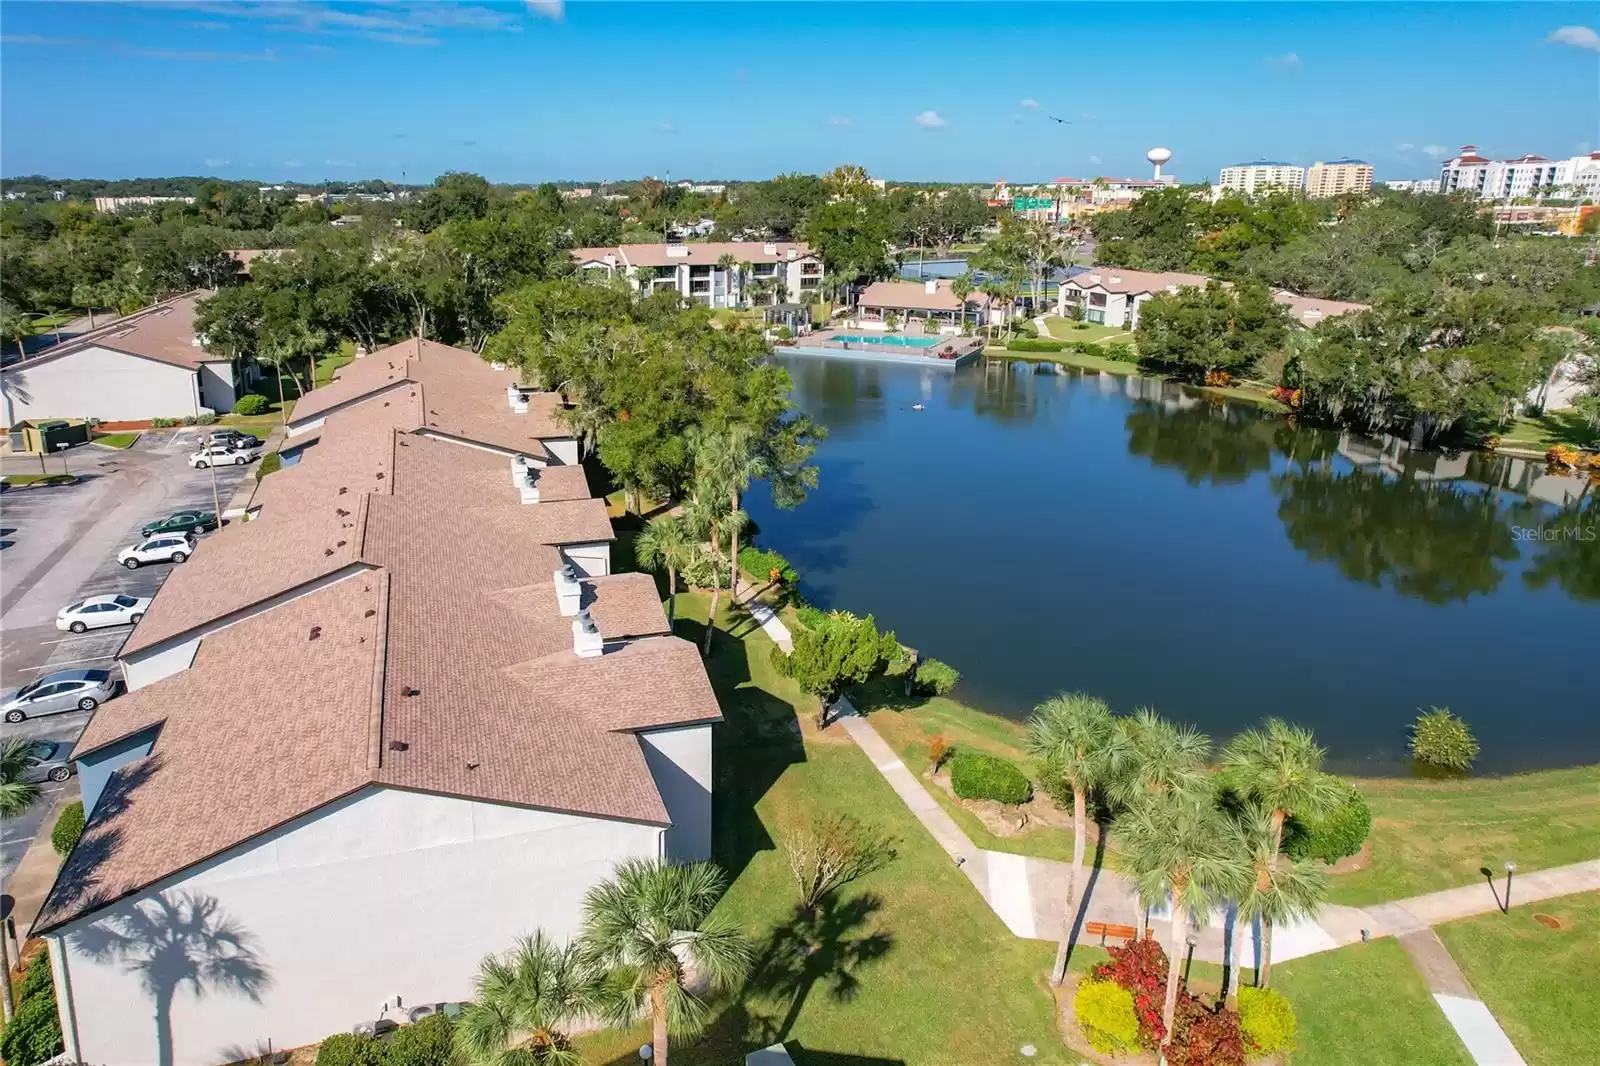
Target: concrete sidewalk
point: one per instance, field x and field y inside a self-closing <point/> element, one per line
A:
<point x="31" y="881"/>
<point x="1486" y="1042"/>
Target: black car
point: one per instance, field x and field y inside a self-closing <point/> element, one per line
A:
<point x="181" y="522"/>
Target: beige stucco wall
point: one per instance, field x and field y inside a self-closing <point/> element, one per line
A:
<point x="384" y="895"/>
<point x="99" y="383"/>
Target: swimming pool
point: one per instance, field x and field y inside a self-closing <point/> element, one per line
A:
<point x="885" y="340"/>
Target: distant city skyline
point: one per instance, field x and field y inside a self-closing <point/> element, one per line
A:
<point x="588" y="91"/>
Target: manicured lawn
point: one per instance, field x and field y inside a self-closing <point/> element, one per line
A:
<point x="1429" y="835"/>
<point x="1068" y="330"/>
<point x="1542" y="984"/>
<point x="39" y="479"/>
<point x="1365" y="1004"/>
<point x="272" y="417"/>
<point x="912" y="966"/>
<point x="116" y="440"/>
<point x="1547" y="430"/>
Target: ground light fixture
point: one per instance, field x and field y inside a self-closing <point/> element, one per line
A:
<point x="646" y="1052"/>
<point x="1511" y="868"/>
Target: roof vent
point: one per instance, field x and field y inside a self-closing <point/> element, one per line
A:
<point x="769" y="249"/>
<point x="586" y="640"/>
<point x="398" y="745"/>
<point x="316" y="631"/>
<point x="793" y="254"/>
<point x="569" y="593"/>
<point x="930" y="286"/>
<point x="408" y="692"/>
<point x="369" y="612"/>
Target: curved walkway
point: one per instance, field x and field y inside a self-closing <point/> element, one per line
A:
<point x="1029" y="895"/>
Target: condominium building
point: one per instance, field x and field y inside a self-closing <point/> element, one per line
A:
<point x="1524" y="177"/>
<point x="714" y="273"/>
<point x="1417" y="185"/>
<point x="1262" y="176"/>
<point x="1338" y="177"/>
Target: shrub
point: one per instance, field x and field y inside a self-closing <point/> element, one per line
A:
<point x="1330" y="838"/>
<point x="1105" y="1012"/>
<point x="1030" y="344"/>
<point x="201" y="420"/>
<point x="163" y="423"/>
<point x="766" y="565"/>
<point x="69" y="827"/>
<point x="34" y="1035"/>
<point x="1266" y="1019"/>
<point x="936" y="677"/>
<point x="36" y="979"/>
<point x="785" y="333"/>
<point x="429" y="1042"/>
<point x="349" y="1049"/>
<point x="1080" y="324"/>
<point x="1203" y="1036"/>
<point x="1141" y="968"/>
<point x="975" y="775"/>
<point x="251" y="403"/>
<point x="781" y="662"/>
<point x="1439" y="738"/>
<point x="1023" y="328"/>
<point x="270" y="464"/>
<point x="1122" y="352"/>
<point x="938" y="750"/>
<point x="809" y="616"/>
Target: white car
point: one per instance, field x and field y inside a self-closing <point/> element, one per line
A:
<point x="161" y="548"/>
<point x="222" y="455"/>
<point x="97" y="612"/>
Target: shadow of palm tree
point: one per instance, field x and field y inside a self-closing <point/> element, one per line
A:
<point x="174" y="941"/>
<point x="827" y="946"/>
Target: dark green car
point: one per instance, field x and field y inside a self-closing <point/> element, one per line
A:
<point x="182" y="522"/>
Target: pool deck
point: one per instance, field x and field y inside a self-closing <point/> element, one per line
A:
<point x="948" y="353"/>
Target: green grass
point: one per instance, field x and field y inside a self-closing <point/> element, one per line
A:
<point x="1547" y="430"/>
<point x="1093" y="332"/>
<point x="39" y="479"/>
<point x="1542" y="984"/>
<point x="116" y="440"/>
<point x="1430" y="835"/>
<point x="272" y="417"/>
<point x="1365" y="1004"/>
<point x="944" y="982"/>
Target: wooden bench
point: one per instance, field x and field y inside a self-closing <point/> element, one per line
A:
<point x="1104" y="930"/>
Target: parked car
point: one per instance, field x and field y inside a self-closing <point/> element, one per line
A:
<point x="181" y="522"/>
<point x="97" y="612"/>
<point x="222" y="455"/>
<point x="64" y="690"/>
<point x="232" y="438"/>
<point x="161" y="548"/>
<point x="52" y="764"/>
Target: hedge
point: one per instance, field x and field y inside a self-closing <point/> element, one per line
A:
<point x="1266" y="1019"/>
<point x="936" y="677"/>
<point x="69" y="827"/>
<point x="1339" y="833"/>
<point x="761" y="564"/>
<point x="429" y="1042"/>
<point x="251" y="403"/>
<point x="271" y="463"/>
<point x="1032" y="344"/>
<point x="34" y="1035"/>
<point x="975" y="775"/>
<point x="1105" y="1013"/>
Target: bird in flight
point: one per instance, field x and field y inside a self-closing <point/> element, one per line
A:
<point x="1063" y="121"/>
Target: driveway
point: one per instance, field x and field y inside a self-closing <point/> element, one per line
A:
<point x="58" y="545"/>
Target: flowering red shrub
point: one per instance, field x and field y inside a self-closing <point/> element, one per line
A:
<point x="1141" y="968"/>
<point x="1203" y="1036"/>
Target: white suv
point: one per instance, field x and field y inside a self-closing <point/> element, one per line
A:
<point x="161" y="548"/>
<point x="222" y="455"/>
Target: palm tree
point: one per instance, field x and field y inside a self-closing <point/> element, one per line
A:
<point x="733" y="459"/>
<point x="521" y="1005"/>
<point x="1279" y="767"/>
<point x="17" y="757"/>
<point x="961" y="287"/>
<point x="726" y="262"/>
<point x="1277" y="891"/>
<point x="665" y="544"/>
<point x="1177" y="841"/>
<point x="1076" y="738"/>
<point x="703" y="515"/>
<point x="1157" y="757"/>
<point x="648" y="929"/>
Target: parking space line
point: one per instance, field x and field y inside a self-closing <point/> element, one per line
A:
<point x="67" y="662"/>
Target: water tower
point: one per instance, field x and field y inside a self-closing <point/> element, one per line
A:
<point x="1158" y="156"/>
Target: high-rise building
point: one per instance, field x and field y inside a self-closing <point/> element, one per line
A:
<point x="1338" y="177"/>
<point x="1526" y="177"/>
<point x="1262" y="176"/>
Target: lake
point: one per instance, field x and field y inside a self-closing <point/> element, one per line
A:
<point x="1160" y="547"/>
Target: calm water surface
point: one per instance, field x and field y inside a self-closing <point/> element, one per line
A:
<point x="1157" y="547"/>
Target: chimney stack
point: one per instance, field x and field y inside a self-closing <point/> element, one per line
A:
<point x="518" y="402"/>
<point x="568" y="592"/>
<point x="586" y="640"/>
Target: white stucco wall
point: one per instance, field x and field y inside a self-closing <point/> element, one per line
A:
<point x="218" y="390"/>
<point x="386" y="894"/>
<point x="593" y="560"/>
<point x="564" y="449"/>
<point x="99" y="383"/>
<point x="151" y="665"/>
<point x="680" y="762"/>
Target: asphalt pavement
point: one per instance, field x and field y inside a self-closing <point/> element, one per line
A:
<point x="60" y="544"/>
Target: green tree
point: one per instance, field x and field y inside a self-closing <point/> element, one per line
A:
<point x="17" y="757"/>
<point x="961" y="287"/>
<point x="665" y="544"/>
<point x="1197" y="331"/>
<point x="1177" y="844"/>
<point x="648" y="929"/>
<point x="840" y="651"/>
<point x="1279" y="768"/>
<point x="1075" y="739"/>
<point x="522" y="1005"/>
<point x="1276" y="890"/>
<point x="1156" y="757"/>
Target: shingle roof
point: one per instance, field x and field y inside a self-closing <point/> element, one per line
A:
<point x="447" y="667"/>
<point x="1309" y="310"/>
<point x="697" y="253"/>
<point x="1119" y="280"/>
<point x="914" y="295"/>
<point x="164" y="333"/>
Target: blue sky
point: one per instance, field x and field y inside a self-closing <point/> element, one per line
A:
<point x="916" y="91"/>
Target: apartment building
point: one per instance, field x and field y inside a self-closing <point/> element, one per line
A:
<point x="1524" y="177"/>
<point x="110" y="205"/>
<point x="402" y="701"/>
<point x="1261" y="177"/>
<point x="1112" y="296"/>
<point x="1420" y="186"/>
<point x="713" y="273"/>
<point x="1338" y="177"/>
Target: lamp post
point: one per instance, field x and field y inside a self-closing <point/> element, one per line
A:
<point x="1511" y="868"/>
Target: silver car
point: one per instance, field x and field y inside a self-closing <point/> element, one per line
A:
<point x="52" y="764"/>
<point x="64" y="690"/>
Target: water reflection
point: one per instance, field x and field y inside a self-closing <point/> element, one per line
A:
<point x="1209" y="443"/>
<point x="1567" y="551"/>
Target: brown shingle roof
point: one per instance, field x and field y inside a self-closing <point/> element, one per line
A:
<point x="1120" y="280"/>
<point x="1309" y="310"/>
<point x="913" y="295"/>
<point x="164" y="333"/>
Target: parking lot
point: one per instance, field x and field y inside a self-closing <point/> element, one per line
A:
<point x="59" y="545"/>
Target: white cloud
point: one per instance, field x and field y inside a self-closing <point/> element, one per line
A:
<point x="1435" y="150"/>
<point x="841" y="120"/>
<point x="1289" y="61"/>
<point x="216" y="162"/>
<point x="1028" y="102"/>
<point x="550" y="9"/>
<point x="1404" y="146"/>
<point x="1577" y="37"/>
<point x="293" y="164"/>
<point x="336" y="163"/>
<point x="1095" y="160"/>
<point x="667" y="127"/>
<point x="930" y="120"/>
<point x="392" y="23"/>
